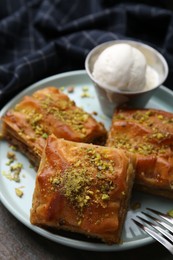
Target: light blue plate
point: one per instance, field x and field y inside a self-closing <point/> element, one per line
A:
<point x="132" y="237"/>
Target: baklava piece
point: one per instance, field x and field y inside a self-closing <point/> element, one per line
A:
<point x="49" y="111"/>
<point x="83" y="188"/>
<point x="148" y="133"/>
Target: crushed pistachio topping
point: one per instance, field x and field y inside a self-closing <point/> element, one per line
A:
<point x="85" y="92"/>
<point x="7" y="175"/>
<point x="11" y="156"/>
<point x="45" y="136"/>
<point x="19" y="192"/>
<point x="62" y="88"/>
<point x="15" y="170"/>
<point x="105" y="196"/>
<point x="144" y="145"/>
<point x="85" y="88"/>
<point x="13" y="174"/>
<point x="147" y="118"/>
<point x="13" y="148"/>
<point x="160" y="135"/>
<point x="85" y="95"/>
<point x="138" y="116"/>
<point x="142" y="117"/>
<point x="64" y="110"/>
<point x="79" y="185"/>
<point x="75" y="185"/>
<point x="74" y="118"/>
<point x="35" y="120"/>
<point x="160" y="117"/>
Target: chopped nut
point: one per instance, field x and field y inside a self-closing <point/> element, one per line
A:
<point x="15" y="170"/>
<point x="123" y="193"/>
<point x="45" y="136"/>
<point x="70" y="89"/>
<point x="13" y="147"/>
<point x="19" y="192"/>
<point x="76" y="182"/>
<point x="8" y="175"/>
<point x="62" y="88"/>
<point x="11" y="155"/>
<point x="105" y="197"/>
<point x="160" y="117"/>
<point x="79" y="222"/>
<point x="85" y="88"/>
<point x="85" y="95"/>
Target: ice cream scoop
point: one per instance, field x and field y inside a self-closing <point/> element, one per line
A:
<point x="129" y="78"/>
<point x="124" y="67"/>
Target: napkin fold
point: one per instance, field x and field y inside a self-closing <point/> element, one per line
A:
<point x="40" y="38"/>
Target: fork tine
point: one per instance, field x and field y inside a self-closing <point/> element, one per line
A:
<point x="156" y="236"/>
<point x="163" y="215"/>
<point x="161" y="230"/>
<point x="165" y="225"/>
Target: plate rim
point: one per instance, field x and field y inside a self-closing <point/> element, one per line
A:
<point x="75" y="243"/>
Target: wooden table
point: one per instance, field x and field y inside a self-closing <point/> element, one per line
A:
<point x="17" y="242"/>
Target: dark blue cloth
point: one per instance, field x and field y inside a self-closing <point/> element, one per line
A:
<point x="39" y="38"/>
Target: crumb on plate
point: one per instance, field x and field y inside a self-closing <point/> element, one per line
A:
<point x="19" y="192"/>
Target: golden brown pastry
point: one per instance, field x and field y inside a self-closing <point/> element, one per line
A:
<point x="83" y="188"/>
<point x="49" y="111"/>
<point x="148" y="133"/>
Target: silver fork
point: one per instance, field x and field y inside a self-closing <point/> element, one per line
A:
<point x="161" y="227"/>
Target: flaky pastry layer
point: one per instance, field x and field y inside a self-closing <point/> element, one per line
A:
<point x="83" y="188"/>
<point x="49" y="111"/>
<point x="148" y="133"/>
